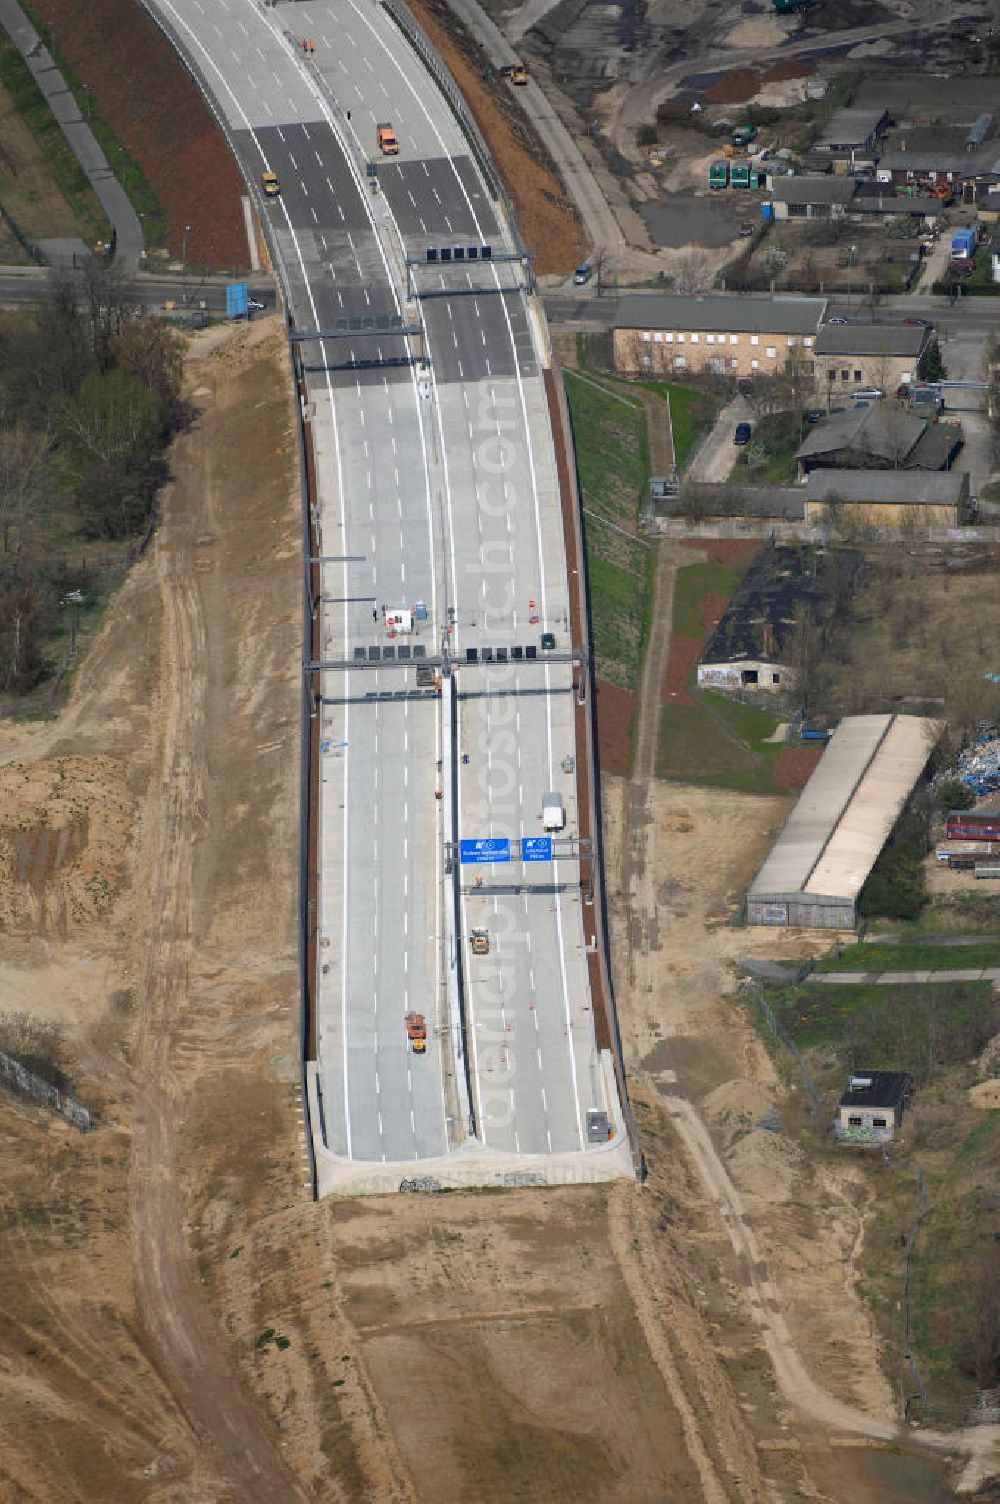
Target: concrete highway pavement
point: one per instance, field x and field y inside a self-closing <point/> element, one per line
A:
<point x="437" y="494"/>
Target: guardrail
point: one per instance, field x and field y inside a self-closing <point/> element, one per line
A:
<point x="307" y="781"/>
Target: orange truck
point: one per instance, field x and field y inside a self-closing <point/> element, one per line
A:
<point x="416" y="1032"/>
<point x="386" y="138"/>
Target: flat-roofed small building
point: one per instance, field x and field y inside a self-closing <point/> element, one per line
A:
<point x="663" y="334"/>
<point x="830" y="842"/>
<point x="810" y="197"/>
<point x="851" y="136"/>
<point x="872" y="1107"/>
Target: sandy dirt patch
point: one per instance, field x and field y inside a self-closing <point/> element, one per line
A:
<point x="754" y="34"/>
<point x="62" y="858"/>
<point x="986" y="1095"/>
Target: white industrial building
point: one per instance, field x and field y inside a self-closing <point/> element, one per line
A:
<point x="844" y="816"/>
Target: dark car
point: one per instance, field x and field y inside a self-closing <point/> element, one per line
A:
<point x="583" y="274"/>
<point x="742" y="434"/>
<point x="815" y="415"/>
<point x="548" y="641"/>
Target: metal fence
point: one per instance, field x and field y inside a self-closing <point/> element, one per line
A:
<point x="777" y="1028"/>
<point x="14" y="1075"/>
<point x="751" y="527"/>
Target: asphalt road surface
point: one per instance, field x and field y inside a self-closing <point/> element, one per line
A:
<point x="438" y="503"/>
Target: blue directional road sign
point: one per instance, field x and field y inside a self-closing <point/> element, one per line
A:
<point x="486" y="849"/>
<point x="536" y="849"/>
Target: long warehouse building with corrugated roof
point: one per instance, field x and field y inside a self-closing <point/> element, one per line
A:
<point x="845" y="814"/>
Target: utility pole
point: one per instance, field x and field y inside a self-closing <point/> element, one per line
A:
<point x="184" y="246"/>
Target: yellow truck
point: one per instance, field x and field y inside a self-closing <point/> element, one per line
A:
<point x="517" y="73"/>
<point x="269" y="183"/>
<point x="480" y="942"/>
<point x="386" y="138"/>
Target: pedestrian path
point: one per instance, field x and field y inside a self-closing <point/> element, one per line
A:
<point x="82" y="142"/>
<point x="959" y="974"/>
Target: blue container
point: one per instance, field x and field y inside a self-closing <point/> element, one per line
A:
<point x="767" y="211"/>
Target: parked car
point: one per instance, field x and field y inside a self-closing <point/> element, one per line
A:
<point x="867" y="394"/>
<point x="815" y="415"/>
<point x="747" y="230"/>
<point x="583" y="274"/>
<point x="742" y="434"/>
<point x="837" y="319"/>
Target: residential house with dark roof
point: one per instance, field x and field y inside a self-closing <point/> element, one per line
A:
<point x="748" y="649"/>
<point x="883" y="436"/>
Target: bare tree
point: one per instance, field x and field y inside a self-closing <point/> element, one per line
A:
<point x="109" y="306"/>
<point x="24" y="473"/>
<point x="692" y="272"/>
<point x="765" y="396"/>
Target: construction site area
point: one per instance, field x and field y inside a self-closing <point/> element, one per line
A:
<point x="790" y="733"/>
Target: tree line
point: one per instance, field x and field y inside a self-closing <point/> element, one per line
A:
<point x="89" y="399"/>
